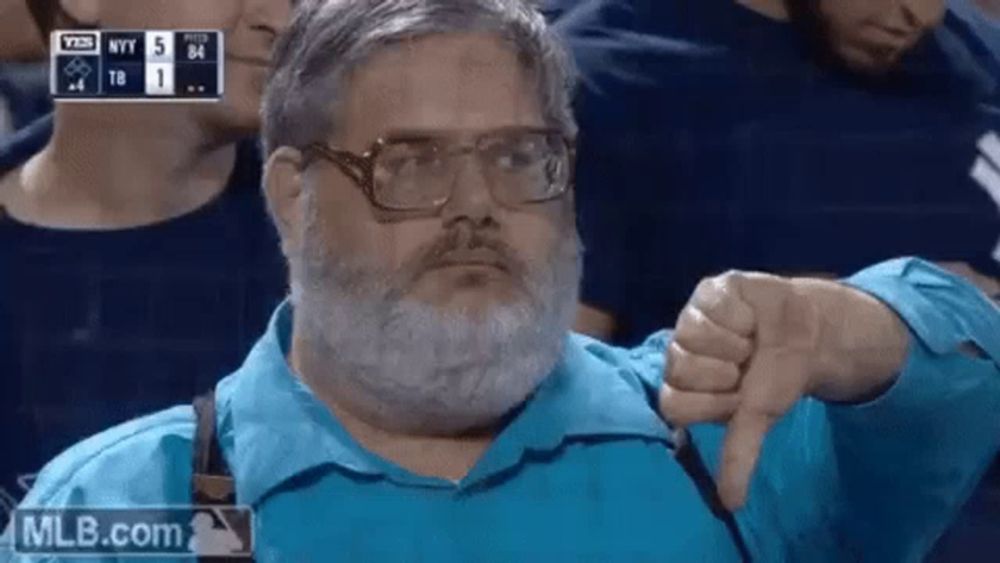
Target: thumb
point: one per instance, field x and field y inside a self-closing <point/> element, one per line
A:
<point x="740" y="450"/>
<point x="773" y="383"/>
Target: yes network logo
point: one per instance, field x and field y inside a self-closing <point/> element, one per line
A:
<point x="77" y="42"/>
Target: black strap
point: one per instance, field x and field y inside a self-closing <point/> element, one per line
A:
<point x="211" y="483"/>
<point x="687" y="455"/>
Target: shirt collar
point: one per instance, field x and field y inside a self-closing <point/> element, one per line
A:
<point x="273" y="428"/>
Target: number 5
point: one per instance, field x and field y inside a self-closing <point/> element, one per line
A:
<point x="161" y="47"/>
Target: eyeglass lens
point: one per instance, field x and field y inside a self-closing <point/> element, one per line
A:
<point x="520" y="167"/>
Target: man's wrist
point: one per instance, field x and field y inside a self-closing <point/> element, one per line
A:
<point x="862" y="343"/>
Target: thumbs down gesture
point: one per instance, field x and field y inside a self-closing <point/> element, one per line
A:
<point x="748" y="346"/>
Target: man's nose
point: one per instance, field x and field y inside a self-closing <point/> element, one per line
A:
<point x="470" y="197"/>
<point x="269" y="16"/>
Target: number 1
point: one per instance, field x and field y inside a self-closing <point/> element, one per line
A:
<point x="159" y="73"/>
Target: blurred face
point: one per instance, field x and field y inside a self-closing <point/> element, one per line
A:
<point x="451" y="318"/>
<point x="250" y="26"/>
<point x="870" y="36"/>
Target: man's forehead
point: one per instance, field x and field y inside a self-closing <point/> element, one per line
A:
<point x="469" y="50"/>
<point x="451" y="82"/>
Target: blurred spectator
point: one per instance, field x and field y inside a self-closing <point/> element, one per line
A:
<point x="807" y="136"/>
<point x="24" y="81"/>
<point x="138" y="261"/>
<point x="725" y="137"/>
<point x="983" y="16"/>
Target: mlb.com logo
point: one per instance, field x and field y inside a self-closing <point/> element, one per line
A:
<point x="76" y="42"/>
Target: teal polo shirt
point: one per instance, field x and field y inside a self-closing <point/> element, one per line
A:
<point x="584" y="471"/>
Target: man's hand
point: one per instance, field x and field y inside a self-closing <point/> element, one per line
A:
<point x="747" y="347"/>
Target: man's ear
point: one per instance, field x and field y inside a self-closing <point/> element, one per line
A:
<point x="284" y="189"/>
<point x="84" y="12"/>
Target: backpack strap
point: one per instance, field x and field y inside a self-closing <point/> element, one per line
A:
<point x="687" y="455"/>
<point x="211" y="482"/>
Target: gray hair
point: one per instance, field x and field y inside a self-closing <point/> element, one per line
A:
<point x="329" y="38"/>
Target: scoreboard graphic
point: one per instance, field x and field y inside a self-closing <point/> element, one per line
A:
<point x="177" y="66"/>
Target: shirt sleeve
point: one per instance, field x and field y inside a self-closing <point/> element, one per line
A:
<point x="878" y="481"/>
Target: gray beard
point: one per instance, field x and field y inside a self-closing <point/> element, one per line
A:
<point x="411" y="367"/>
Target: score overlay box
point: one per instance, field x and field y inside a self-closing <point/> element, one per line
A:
<point x="137" y="65"/>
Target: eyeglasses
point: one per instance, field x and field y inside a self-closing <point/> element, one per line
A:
<point x="522" y="166"/>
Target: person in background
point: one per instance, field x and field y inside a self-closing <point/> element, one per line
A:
<point x="983" y="16"/>
<point x="798" y="136"/>
<point x="775" y="135"/>
<point x="24" y="87"/>
<point x="421" y="396"/>
<point x="138" y="263"/>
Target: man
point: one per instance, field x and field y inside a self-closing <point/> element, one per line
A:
<point x="138" y="263"/>
<point x="421" y="398"/>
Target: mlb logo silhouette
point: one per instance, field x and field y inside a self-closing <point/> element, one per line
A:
<point x="221" y="532"/>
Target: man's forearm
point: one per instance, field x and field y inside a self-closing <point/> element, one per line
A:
<point x="987" y="284"/>
<point x="862" y="343"/>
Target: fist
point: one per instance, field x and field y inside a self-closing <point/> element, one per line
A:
<point x="747" y="347"/>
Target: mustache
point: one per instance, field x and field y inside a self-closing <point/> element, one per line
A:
<point x="462" y="245"/>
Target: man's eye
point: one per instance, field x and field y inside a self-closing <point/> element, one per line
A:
<point x="516" y="156"/>
<point x="412" y="159"/>
<point x="517" y="159"/>
<point x="428" y="159"/>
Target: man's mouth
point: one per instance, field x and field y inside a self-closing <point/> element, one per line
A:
<point x="469" y="264"/>
<point x="470" y="259"/>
